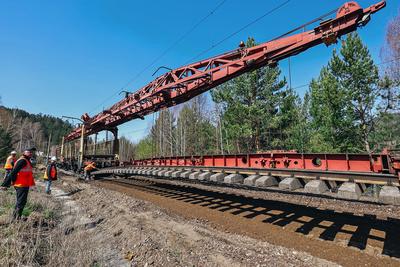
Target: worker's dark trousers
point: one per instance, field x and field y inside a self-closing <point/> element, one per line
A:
<point x="22" y="198"/>
<point x="6" y="174"/>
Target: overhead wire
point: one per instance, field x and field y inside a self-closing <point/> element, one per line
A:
<point x="194" y="27"/>
<point x="219" y="42"/>
<point x="377" y="64"/>
<point x="239" y="30"/>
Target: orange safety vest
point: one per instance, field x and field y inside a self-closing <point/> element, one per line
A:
<point x="53" y="173"/>
<point x="25" y="176"/>
<point x="9" y="163"/>
<point x="89" y="167"/>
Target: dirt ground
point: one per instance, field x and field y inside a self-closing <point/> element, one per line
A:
<point x="153" y="222"/>
<point x="174" y="224"/>
<point x="143" y="234"/>
<point x="347" y="233"/>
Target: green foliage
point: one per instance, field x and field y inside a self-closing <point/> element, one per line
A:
<point x="31" y="207"/>
<point x="332" y="117"/>
<point x="359" y="75"/>
<point x="49" y="124"/>
<point x="5" y="207"/>
<point x="287" y="120"/>
<point x="300" y="131"/>
<point x="343" y="99"/>
<point x="5" y="144"/>
<point x="195" y="133"/>
<point x="387" y="132"/>
<point x="257" y="110"/>
<point x="9" y="206"/>
<point x="144" y="149"/>
<point x="49" y="214"/>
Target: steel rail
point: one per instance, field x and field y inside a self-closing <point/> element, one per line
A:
<point x="339" y="176"/>
<point x="214" y="186"/>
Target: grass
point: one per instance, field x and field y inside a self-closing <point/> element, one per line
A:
<point x="49" y="214"/>
<point x="28" y="242"/>
<point x="31" y="207"/>
<point x="5" y="208"/>
<point x="39" y="239"/>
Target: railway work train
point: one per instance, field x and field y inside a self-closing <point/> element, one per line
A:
<point x="349" y="174"/>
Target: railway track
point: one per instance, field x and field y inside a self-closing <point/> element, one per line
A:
<point x="358" y="186"/>
<point x="290" y="221"/>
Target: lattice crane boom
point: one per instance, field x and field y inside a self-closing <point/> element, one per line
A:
<point x="182" y="84"/>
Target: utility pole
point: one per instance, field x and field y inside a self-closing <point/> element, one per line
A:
<point x="62" y="147"/>
<point x="171" y="134"/>
<point x="220" y="135"/>
<point x="95" y="144"/>
<point x="290" y="74"/>
<point x="106" y="148"/>
<point x="48" y="149"/>
<point x="82" y="141"/>
<point x="82" y="147"/>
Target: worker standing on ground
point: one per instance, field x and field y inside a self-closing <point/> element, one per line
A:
<point x="88" y="169"/>
<point x="50" y="174"/>
<point x="10" y="163"/>
<point x="21" y="177"/>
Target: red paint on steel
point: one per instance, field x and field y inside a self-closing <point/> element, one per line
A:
<point x="181" y="84"/>
<point x="282" y="160"/>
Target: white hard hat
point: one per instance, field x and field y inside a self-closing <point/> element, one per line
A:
<point x="53" y="158"/>
<point x="13" y="152"/>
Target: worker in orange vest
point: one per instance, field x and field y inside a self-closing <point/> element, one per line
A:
<point x="88" y="169"/>
<point x="10" y="163"/>
<point x="50" y="174"/>
<point x="21" y="177"/>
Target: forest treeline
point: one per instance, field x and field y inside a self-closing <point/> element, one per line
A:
<point x="351" y="107"/>
<point x="20" y="129"/>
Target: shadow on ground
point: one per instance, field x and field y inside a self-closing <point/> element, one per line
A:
<point x="329" y="225"/>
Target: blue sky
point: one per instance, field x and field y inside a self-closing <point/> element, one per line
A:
<point x="71" y="57"/>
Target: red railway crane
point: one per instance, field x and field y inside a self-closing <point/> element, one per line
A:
<point x="182" y="84"/>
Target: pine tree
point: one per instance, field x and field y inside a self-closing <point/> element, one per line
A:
<point x="358" y="74"/>
<point x="343" y="99"/>
<point x="301" y="131"/>
<point x="249" y="103"/>
<point x="286" y="119"/>
<point x="332" y="118"/>
<point x="5" y="144"/>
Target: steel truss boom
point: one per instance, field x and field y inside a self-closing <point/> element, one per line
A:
<point x="182" y="84"/>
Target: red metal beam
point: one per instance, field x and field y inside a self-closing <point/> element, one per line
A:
<point x="182" y="84"/>
<point x="382" y="163"/>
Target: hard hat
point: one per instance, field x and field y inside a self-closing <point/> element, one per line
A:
<point x="13" y="152"/>
<point x="53" y="158"/>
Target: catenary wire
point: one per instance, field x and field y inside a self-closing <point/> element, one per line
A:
<point x="238" y="31"/>
<point x="134" y="78"/>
